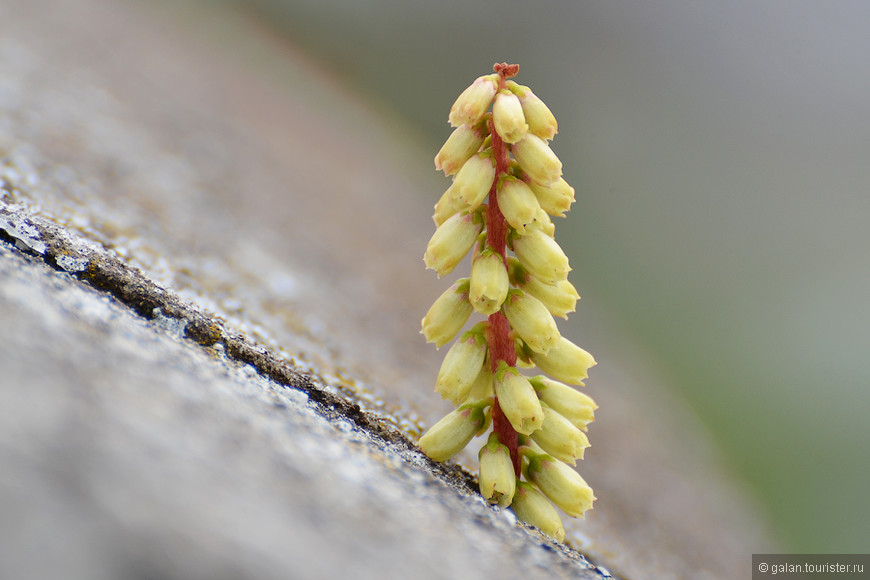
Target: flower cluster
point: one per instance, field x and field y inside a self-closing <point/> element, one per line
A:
<point x="507" y="183"/>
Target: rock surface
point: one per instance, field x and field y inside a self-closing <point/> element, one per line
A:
<point x="206" y="271"/>
<point x="128" y="451"/>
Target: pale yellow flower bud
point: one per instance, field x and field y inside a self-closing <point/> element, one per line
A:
<point x="452" y="433"/>
<point x="555" y="198"/>
<point x="507" y="117"/>
<point x="560" y="438"/>
<point x="559" y="482"/>
<point x="532" y="507"/>
<point x="462" y="363"/>
<point x="542" y="256"/>
<point x="565" y="362"/>
<point x="450" y="243"/>
<point x="459" y="147"/>
<point x="474" y="180"/>
<point x="517" y="203"/>
<point x="497" y="478"/>
<point x="482" y="387"/>
<point x="543" y="223"/>
<point x="532" y="321"/>
<point x="560" y="298"/>
<point x="448" y="206"/>
<point x="576" y="407"/>
<point x="474" y="101"/>
<point x="448" y="314"/>
<point x="518" y="400"/>
<point x="537" y="159"/>
<point x="541" y="121"/>
<point x="489" y="282"/>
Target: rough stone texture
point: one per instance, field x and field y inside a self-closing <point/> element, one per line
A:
<point x="210" y="282"/>
<point x="130" y="452"/>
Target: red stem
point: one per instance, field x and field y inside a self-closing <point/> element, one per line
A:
<point x="501" y="346"/>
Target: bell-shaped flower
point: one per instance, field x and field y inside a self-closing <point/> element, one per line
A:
<point x="474" y="101"/>
<point x="559" y="482"/>
<point x="517" y="203"/>
<point x="448" y="314"/>
<point x="565" y="362"/>
<point x="498" y="480"/>
<point x="532" y="507"/>
<point x="536" y="159"/>
<point x="560" y="297"/>
<point x="448" y="206"/>
<point x="482" y="386"/>
<point x="541" y="121"/>
<point x="508" y="118"/>
<point x="459" y="147"/>
<point x="531" y="320"/>
<point x="576" y="407"/>
<point x="543" y="223"/>
<point x="560" y="438"/>
<point x="517" y="399"/>
<point x="450" y="243"/>
<point x="452" y="433"/>
<point x="462" y="363"/>
<point x="489" y="282"/>
<point x="541" y="255"/>
<point x="474" y="180"/>
<point x="555" y="198"/>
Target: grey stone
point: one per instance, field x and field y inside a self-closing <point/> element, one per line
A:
<point x="128" y="451"/>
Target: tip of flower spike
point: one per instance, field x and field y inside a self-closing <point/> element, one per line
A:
<point x="506" y="70"/>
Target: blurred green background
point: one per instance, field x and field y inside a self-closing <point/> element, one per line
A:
<point x="721" y="157"/>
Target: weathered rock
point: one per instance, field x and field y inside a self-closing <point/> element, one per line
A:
<point x="129" y="451"/>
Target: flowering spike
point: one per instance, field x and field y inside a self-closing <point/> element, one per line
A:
<point x="519" y="283"/>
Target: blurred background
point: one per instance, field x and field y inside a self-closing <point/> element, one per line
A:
<point x="720" y="156"/>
